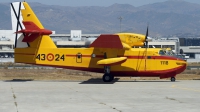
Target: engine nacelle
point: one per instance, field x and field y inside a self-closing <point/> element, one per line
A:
<point x="132" y="39"/>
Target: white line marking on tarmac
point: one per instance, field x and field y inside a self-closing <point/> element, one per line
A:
<point x="184" y="88"/>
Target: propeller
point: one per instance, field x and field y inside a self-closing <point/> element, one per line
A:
<point x="146" y="44"/>
<point x="146" y="37"/>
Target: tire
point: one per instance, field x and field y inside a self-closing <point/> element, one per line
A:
<point x="173" y="79"/>
<point x="107" y="78"/>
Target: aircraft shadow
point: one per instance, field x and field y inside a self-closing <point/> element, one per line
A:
<point x="147" y="81"/>
<point x="98" y="81"/>
<point x="19" y="80"/>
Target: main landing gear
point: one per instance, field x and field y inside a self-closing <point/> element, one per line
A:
<point x="173" y="79"/>
<point x="107" y="77"/>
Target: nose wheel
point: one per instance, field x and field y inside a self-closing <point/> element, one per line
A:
<point x="173" y="79"/>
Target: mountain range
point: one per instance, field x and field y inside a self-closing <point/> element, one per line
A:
<point x="170" y="18"/>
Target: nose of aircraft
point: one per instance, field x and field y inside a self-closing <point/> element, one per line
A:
<point x="181" y="65"/>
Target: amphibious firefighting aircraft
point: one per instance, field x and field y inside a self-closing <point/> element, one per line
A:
<point x="111" y="54"/>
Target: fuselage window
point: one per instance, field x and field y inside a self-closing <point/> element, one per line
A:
<point x="79" y="55"/>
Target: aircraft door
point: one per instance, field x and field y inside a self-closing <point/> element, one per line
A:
<point x="148" y="62"/>
<point x="151" y="63"/>
<point x="79" y="58"/>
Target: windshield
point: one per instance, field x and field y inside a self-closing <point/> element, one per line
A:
<point x="171" y="53"/>
<point x="166" y="52"/>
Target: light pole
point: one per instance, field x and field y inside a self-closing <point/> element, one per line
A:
<point x="120" y="19"/>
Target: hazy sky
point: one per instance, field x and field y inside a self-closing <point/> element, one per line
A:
<point x="95" y="2"/>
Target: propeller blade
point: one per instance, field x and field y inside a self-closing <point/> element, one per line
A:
<point x="147" y="32"/>
<point x="146" y="37"/>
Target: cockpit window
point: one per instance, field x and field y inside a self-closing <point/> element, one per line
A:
<point x="161" y="52"/>
<point x="171" y="52"/>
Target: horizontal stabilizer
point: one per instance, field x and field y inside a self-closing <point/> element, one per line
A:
<point x="30" y="25"/>
<point x="107" y="41"/>
<point x="112" y="61"/>
<point x="32" y="31"/>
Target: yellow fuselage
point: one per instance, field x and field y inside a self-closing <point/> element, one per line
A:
<point x="140" y="61"/>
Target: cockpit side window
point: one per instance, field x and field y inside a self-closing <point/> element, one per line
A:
<point x="161" y="52"/>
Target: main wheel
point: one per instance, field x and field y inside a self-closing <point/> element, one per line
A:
<point x="107" y="78"/>
<point x="173" y="79"/>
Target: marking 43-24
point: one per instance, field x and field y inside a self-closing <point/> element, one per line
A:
<point x="51" y="57"/>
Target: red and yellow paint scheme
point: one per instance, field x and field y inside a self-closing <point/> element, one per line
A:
<point x="111" y="54"/>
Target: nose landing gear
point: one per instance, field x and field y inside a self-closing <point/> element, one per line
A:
<point x="173" y="79"/>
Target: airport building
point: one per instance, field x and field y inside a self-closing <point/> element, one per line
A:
<point x="190" y="46"/>
<point x="6" y="44"/>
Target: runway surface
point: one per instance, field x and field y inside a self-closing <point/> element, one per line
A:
<point x="97" y="96"/>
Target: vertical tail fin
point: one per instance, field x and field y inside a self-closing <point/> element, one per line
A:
<point x="32" y="33"/>
<point x="31" y="37"/>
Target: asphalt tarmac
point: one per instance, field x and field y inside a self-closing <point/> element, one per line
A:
<point x="97" y="96"/>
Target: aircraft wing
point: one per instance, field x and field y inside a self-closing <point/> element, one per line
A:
<point x="107" y="41"/>
<point x="112" y="61"/>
